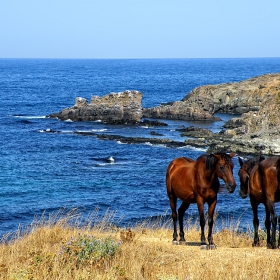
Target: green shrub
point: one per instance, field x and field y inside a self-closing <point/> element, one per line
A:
<point x="88" y="249"/>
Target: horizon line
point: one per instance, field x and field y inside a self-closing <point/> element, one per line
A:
<point x="148" y="58"/>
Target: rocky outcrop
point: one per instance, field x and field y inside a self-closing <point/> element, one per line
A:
<point x="231" y="98"/>
<point x="256" y="131"/>
<point x="122" y="107"/>
<point x="180" y="110"/>
<point x="259" y="130"/>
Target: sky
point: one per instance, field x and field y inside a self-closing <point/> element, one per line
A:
<point x="139" y="28"/>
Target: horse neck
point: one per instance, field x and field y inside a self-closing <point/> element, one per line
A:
<point x="210" y="176"/>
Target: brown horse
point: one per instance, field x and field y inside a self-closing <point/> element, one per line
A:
<point x="197" y="181"/>
<point x="263" y="186"/>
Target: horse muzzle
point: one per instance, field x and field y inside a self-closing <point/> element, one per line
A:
<point x="243" y="194"/>
<point x="231" y="187"/>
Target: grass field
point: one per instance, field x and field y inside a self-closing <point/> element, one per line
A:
<point x="61" y="246"/>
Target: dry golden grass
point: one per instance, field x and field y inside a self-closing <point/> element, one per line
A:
<point x="146" y="252"/>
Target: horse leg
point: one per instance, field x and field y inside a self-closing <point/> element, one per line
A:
<point x="181" y="211"/>
<point x="267" y="226"/>
<point x="200" y="206"/>
<point x="271" y="209"/>
<point x="279" y="232"/>
<point x="173" y="205"/>
<point x="255" y="223"/>
<point x="211" y="210"/>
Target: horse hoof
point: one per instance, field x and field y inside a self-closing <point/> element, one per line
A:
<point x="269" y="246"/>
<point x="182" y="242"/>
<point x="175" y="242"/>
<point x="212" y="247"/>
<point x="204" y="247"/>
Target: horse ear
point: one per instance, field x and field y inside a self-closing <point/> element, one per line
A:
<point x="262" y="157"/>
<point x="240" y="161"/>
<point x="216" y="156"/>
<point x="232" y="155"/>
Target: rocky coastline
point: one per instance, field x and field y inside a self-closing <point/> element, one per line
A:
<point x="254" y="104"/>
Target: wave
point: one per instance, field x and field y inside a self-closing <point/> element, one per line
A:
<point x="121" y="143"/>
<point x="193" y="148"/>
<point x="103" y="164"/>
<point x="28" y="117"/>
<point x="157" y="145"/>
<point x="99" y="130"/>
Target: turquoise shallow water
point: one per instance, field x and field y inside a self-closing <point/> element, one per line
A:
<point x="43" y="172"/>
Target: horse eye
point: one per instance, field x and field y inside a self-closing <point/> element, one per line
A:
<point x="222" y="168"/>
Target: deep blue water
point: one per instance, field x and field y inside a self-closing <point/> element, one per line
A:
<point x="43" y="172"/>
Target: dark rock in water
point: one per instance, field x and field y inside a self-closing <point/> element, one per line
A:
<point x="142" y="140"/>
<point x="197" y="132"/>
<point x="156" y="133"/>
<point x="110" y="159"/>
<point x="153" y="123"/>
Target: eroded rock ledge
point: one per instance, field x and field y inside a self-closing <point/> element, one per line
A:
<point x="232" y="98"/>
<point x="114" y="108"/>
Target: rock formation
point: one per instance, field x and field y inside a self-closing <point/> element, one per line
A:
<point x="181" y="110"/>
<point x="256" y="131"/>
<point x="232" y="98"/>
<point x="121" y="107"/>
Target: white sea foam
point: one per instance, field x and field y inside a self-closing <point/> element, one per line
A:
<point x="99" y="130"/>
<point x="110" y="159"/>
<point x="156" y="145"/>
<point x="30" y="117"/>
<point x="68" y="120"/>
<point x="121" y="143"/>
<point x="193" y="148"/>
<point x="148" y="144"/>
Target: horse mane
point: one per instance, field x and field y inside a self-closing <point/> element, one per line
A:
<point x="253" y="161"/>
<point x="211" y="160"/>
<point x="278" y="172"/>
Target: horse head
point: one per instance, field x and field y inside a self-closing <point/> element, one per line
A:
<point x="223" y="166"/>
<point x="244" y="173"/>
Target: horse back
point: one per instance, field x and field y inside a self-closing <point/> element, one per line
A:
<point x="176" y="163"/>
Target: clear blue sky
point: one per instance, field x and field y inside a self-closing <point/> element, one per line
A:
<point x="139" y="28"/>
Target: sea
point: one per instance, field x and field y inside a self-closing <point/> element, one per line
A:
<point x="44" y="173"/>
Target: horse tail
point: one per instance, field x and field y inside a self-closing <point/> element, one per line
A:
<point x="278" y="172"/>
